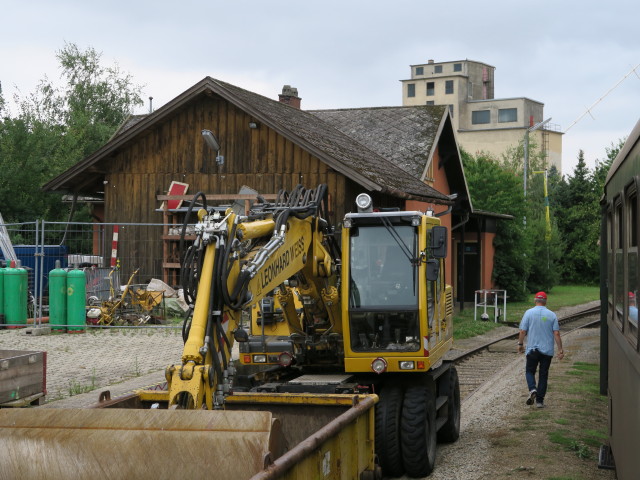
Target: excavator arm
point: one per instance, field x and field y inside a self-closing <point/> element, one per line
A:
<point x="243" y="260"/>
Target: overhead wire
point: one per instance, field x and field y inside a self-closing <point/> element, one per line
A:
<point x="588" y="111"/>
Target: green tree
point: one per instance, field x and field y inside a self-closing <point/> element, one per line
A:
<point x="2" y="103"/>
<point x="24" y="152"/>
<point x="496" y="187"/>
<point x="602" y="166"/>
<point x="526" y="257"/>
<point x="544" y="271"/>
<point x="579" y="225"/>
<point x="56" y="127"/>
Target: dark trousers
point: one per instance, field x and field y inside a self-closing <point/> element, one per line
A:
<point x="535" y="359"/>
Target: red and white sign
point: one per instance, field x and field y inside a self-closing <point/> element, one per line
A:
<point x="176" y="188"/>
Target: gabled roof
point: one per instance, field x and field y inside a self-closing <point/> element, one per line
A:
<point x="408" y="137"/>
<point x="339" y="151"/>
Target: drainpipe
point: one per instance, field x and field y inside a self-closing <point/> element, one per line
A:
<point x="460" y="275"/>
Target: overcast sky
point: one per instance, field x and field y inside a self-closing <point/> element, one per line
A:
<point x="341" y="54"/>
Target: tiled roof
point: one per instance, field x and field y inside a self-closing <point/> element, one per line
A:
<point x="403" y="135"/>
<point x="341" y="150"/>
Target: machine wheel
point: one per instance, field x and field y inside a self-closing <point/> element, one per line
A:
<point x="450" y="431"/>
<point x="418" y="433"/>
<point x="388" y="416"/>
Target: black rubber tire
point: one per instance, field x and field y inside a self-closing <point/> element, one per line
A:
<point x="450" y="431"/>
<point x="388" y="416"/>
<point x="418" y="431"/>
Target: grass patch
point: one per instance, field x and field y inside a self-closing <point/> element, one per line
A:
<point x="76" y="388"/>
<point x="464" y="326"/>
<point x="596" y="434"/>
<point x="586" y="429"/>
<point x="586" y="367"/>
<point x="578" y="373"/>
<point x="581" y="450"/>
<point x="582" y="388"/>
<point x="579" y="447"/>
<point x="560" y="437"/>
<point x="593" y="438"/>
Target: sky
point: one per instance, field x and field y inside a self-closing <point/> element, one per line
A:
<point x="566" y="54"/>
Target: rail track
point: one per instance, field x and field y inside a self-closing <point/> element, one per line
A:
<point x="480" y="363"/>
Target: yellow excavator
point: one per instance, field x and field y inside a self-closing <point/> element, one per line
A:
<point x="355" y="322"/>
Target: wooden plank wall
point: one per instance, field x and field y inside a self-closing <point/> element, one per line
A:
<point x="174" y="150"/>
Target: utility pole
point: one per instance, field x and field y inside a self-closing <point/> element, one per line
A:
<point x="547" y="235"/>
<point x="526" y="155"/>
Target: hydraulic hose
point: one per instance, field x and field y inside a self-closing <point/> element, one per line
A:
<point x="211" y="332"/>
<point x="193" y="257"/>
<point x="218" y="305"/>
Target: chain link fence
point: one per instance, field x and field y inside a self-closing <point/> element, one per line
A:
<point x="131" y="270"/>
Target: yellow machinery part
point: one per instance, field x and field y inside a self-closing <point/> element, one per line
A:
<point x="256" y="229"/>
<point x="141" y="444"/>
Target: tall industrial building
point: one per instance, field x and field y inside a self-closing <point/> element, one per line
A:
<point x="482" y="122"/>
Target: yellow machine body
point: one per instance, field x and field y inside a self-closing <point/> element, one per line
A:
<point x="277" y="282"/>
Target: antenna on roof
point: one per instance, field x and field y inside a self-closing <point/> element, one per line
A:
<point x="150" y="104"/>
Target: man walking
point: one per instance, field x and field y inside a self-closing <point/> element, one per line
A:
<point x="541" y="327"/>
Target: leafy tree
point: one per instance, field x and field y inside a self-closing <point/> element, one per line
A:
<point x="602" y="166"/>
<point x="2" y="103"/>
<point x="498" y="188"/>
<point x="56" y="127"/>
<point x="526" y="257"/>
<point x="544" y="272"/>
<point x="579" y="225"/>
<point x="24" y="152"/>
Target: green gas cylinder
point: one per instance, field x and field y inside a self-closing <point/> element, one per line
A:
<point x="76" y="301"/>
<point x="58" y="299"/>
<point x="24" y="296"/>
<point x="15" y="287"/>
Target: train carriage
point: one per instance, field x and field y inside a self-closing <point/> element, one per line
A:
<point x="620" y="285"/>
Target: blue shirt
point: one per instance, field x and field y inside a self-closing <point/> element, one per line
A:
<point x="539" y="322"/>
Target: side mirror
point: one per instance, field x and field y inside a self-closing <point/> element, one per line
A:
<point x="433" y="270"/>
<point x="438" y="244"/>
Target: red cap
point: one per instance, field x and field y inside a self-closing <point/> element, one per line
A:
<point x="541" y="295"/>
<point x="631" y="295"/>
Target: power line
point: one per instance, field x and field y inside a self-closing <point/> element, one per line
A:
<point x="588" y="111"/>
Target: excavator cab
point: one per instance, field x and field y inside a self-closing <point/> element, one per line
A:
<point x="393" y="285"/>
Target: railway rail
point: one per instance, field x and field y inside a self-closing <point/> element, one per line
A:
<point x="480" y="363"/>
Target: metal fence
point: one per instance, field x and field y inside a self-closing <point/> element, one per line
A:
<point x="111" y="256"/>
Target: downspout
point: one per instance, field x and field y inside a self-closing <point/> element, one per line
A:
<point x="480" y="227"/>
<point x="460" y="273"/>
<point x="463" y="222"/>
<point x="446" y="212"/>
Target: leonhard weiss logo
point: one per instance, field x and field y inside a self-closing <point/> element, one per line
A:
<point x="283" y="261"/>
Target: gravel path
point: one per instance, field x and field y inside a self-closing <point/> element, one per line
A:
<point x="121" y="360"/>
